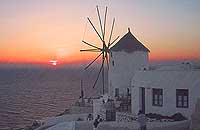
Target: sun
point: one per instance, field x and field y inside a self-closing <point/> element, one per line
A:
<point x="53" y="62"/>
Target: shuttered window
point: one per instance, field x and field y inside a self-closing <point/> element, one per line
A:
<point x="182" y="96"/>
<point x="157" y="97"/>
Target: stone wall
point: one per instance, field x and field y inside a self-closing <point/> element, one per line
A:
<point x="124" y="117"/>
<point x="80" y="109"/>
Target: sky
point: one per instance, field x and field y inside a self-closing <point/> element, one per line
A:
<point x="37" y="31"/>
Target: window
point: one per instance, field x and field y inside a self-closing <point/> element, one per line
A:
<point x="157" y="95"/>
<point x="113" y="63"/>
<point x="182" y="98"/>
<point x="116" y="92"/>
<point x="128" y="92"/>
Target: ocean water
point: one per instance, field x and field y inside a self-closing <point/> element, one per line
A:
<point x="28" y="94"/>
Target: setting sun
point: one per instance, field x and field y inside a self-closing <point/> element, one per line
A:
<point x="53" y="62"/>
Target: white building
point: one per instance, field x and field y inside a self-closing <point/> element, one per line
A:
<point x="166" y="90"/>
<point x="135" y="85"/>
<point x="126" y="56"/>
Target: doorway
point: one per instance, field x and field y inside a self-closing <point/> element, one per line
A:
<point x="142" y="99"/>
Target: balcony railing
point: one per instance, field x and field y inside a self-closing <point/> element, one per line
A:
<point x="123" y="103"/>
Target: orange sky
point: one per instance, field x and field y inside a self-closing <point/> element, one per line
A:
<point x="39" y="31"/>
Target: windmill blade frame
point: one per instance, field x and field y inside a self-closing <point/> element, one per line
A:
<point x="114" y="41"/>
<point x="91" y="45"/>
<point x="100" y="22"/>
<point x="105" y="49"/>
<point x="111" y="32"/>
<point x="95" y="29"/>
<point x="99" y="74"/>
<point x="90" y="50"/>
<point x="105" y="23"/>
<point x="93" y="61"/>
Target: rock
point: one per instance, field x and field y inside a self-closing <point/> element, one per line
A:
<point x="178" y="117"/>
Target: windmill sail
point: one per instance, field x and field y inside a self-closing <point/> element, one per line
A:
<point x="105" y="49"/>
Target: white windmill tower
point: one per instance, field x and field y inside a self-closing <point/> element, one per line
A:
<point x="126" y="56"/>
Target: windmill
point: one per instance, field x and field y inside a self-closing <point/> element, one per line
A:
<point x="105" y="49"/>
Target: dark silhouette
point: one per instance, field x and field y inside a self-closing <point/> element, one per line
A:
<point x="142" y="120"/>
<point x="97" y="121"/>
<point x="90" y="117"/>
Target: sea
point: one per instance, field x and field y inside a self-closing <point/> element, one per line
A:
<point x="36" y="93"/>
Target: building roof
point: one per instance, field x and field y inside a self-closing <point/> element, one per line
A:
<point x="166" y="78"/>
<point x="129" y="43"/>
<point x="171" y="75"/>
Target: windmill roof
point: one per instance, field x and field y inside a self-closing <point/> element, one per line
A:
<point x="129" y="43"/>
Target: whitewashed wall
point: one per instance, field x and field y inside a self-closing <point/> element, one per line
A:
<point x="169" y="81"/>
<point x="125" y="65"/>
<point x="135" y="105"/>
<point x="97" y="108"/>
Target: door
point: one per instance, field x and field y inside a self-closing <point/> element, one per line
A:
<point x="116" y="92"/>
<point x="110" y="115"/>
<point x="142" y="99"/>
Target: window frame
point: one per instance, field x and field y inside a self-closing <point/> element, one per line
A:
<point x="182" y="98"/>
<point x="157" y="97"/>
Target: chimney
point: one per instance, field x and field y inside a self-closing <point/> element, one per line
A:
<point x="129" y="30"/>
